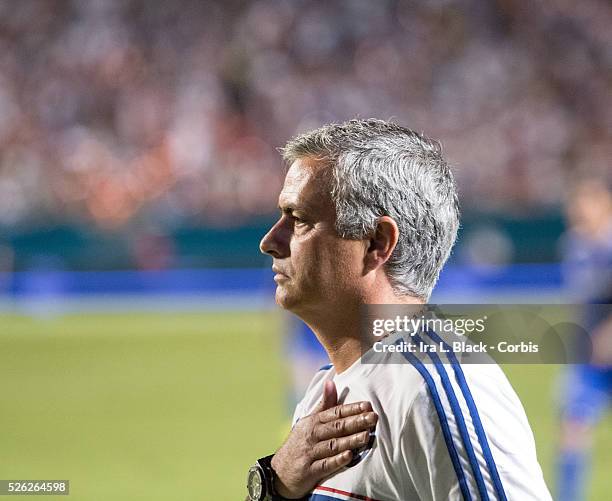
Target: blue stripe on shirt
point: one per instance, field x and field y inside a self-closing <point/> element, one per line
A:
<point x="469" y="400"/>
<point x="465" y="436"/>
<point x="431" y="385"/>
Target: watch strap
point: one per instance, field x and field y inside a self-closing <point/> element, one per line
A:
<point x="270" y="476"/>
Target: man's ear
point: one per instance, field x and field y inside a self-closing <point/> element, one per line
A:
<point x="382" y="243"/>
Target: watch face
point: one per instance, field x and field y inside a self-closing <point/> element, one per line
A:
<point x="255" y="484"/>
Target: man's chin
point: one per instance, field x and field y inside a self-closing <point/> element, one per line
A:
<point x="285" y="299"/>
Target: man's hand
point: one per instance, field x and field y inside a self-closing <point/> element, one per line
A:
<point x="321" y="443"/>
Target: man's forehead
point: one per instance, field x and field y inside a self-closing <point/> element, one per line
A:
<point x="305" y="184"/>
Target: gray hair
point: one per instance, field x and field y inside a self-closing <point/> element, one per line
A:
<point x="379" y="169"/>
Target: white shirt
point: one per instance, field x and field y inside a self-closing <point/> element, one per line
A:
<point x="438" y="423"/>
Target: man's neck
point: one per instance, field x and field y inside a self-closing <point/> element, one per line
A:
<point x="342" y="335"/>
<point x="341" y="338"/>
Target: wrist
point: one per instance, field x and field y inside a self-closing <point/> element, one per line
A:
<point x="282" y="491"/>
<point x="264" y="484"/>
<point x="261" y="481"/>
<point x="278" y="485"/>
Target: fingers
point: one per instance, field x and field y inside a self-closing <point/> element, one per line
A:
<point x="342" y="411"/>
<point x="327" y="466"/>
<point x="324" y="440"/>
<point x="330" y="397"/>
<point x="335" y="446"/>
<point x="346" y="426"/>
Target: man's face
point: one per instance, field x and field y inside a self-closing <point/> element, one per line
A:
<point x="590" y="207"/>
<point x="314" y="267"/>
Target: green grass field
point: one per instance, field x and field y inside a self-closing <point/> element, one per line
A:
<point x="174" y="406"/>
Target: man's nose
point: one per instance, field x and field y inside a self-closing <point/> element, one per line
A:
<point x="276" y="241"/>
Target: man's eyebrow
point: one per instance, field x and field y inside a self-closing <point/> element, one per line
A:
<point x="290" y="208"/>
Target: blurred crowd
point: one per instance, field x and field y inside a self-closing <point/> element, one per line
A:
<point x="144" y="110"/>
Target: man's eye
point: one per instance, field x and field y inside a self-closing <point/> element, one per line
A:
<point x="298" y="220"/>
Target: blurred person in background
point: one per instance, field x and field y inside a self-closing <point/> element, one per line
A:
<point x="587" y="388"/>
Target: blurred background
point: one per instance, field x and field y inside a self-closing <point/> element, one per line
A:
<point x="140" y="350"/>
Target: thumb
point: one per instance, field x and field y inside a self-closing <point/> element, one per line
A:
<point x="330" y="397"/>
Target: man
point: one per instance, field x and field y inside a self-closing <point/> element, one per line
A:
<point x="369" y="215"/>
<point x="587" y="388"/>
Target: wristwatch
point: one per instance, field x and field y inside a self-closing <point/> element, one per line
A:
<point x="260" y="481"/>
